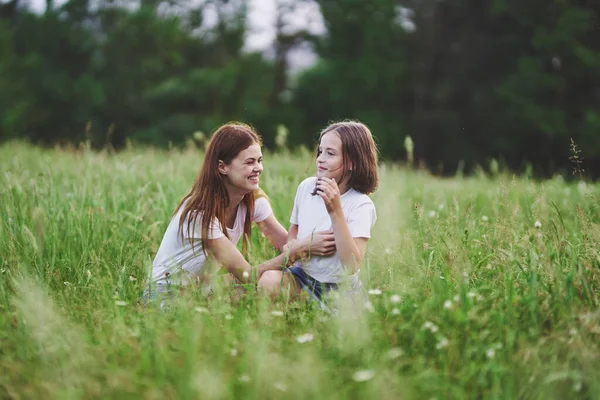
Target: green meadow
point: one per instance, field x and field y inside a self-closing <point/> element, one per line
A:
<point x="480" y="287"/>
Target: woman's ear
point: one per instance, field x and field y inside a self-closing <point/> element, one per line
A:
<point x="222" y="168"/>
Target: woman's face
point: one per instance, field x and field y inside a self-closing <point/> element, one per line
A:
<point x="329" y="159"/>
<point x="244" y="170"/>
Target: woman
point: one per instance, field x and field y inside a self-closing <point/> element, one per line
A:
<point x="220" y="207"/>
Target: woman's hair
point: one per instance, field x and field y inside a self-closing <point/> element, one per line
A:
<point x="359" y="150"/>
<point x="208" y="197"/>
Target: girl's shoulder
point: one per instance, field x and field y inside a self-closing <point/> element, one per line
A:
<point x="308" y="184"/>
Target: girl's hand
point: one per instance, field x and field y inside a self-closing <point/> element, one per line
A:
<point x="330" y="193"/>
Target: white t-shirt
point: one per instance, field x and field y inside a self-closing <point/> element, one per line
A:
<point x="176" y="257"/>
<point x="310" y="214"/>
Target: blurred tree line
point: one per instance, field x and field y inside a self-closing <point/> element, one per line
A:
<point x="468" y="80"/>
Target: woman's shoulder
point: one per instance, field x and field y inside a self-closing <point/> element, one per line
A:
<point x="359" y="198"/>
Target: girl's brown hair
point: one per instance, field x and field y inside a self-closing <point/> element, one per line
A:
<point x="208" y="197"/>
<point x="359" y="150"/>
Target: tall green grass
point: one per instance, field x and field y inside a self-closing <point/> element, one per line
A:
<point x="483" y="287"/>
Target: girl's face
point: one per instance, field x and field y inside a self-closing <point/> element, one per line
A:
<point x="244" y="170"/>
<point x="329" y="157"/>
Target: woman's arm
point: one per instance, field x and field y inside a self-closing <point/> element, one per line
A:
<point x="273" y="231"/>
<point x="232" y="260"/>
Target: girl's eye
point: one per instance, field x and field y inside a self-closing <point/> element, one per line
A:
<point x="330" y="153"/>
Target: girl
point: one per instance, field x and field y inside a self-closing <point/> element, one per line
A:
<point x="335" y="199"/>
<point x="220" y="208"/>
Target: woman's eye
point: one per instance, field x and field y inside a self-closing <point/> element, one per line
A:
<point x="330" y="153"/>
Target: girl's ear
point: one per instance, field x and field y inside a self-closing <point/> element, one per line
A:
<point x="222" y="168"/>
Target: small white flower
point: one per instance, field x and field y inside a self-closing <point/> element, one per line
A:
<point x="121" y="303"/>
<point x="484" y="218"/>
<point x="572" y="331"/>
<point x="375" y="292"/>
<point x="388" y="250"/>
<point x="442" y="277"/>
<point x="67" y="283"/>
<point x="234" y="352"/>
<point x="431" y="326"/>
<point x="395" y="299"/>
<point x="395" y="311"/>
<point x="471" y="295"/>
<point x="245" y="274"/>
<point x="363" y="375"/>
<point x="228" y="317"/>
<point x="277" y="313"/>
<point x="442" y="343"/>
<point x="394" y="353"/>
<point x="456" y="299"/>
<point x="282" y="387"/>
<point x="307" y="337"/>
<point x="537" y="225"/>
<point x="432" y="214"/>
<point x="132" y="278"/>
<point x="448" y="304"/>
<point x="490" y="353"/>
<point x="244" y="378"/>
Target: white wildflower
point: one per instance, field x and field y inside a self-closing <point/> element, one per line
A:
<point x="471" y="295"/>
<point x="395" y="299"/>
<point x="201" y="310"/>
<point x="388" y="250"/>
<point x="228" y="317"/>
<point x="537" y="225"/>
<point x="375" y="292"/>
<point x="456" y="299"/>
<point x="394" y="353"/>
<point x="121" y="303"/>
<point x="307" y="337"/>
<point x="244" y="378"/>
<point x="490" y="353"/>
<point x="282" y="387"/>
<point x="395" y="311"/>
<point x="447" y="304"/>
<point x="432" y="214"/>
<point x="442" y="343"/>
<point x="234" y="352"/>
<point x="484" y="218"/>
<point x="277" y="313"/>
<point x="245" y="274"/>
<point x="363" y="375"/>
<point x="132" y="278"/>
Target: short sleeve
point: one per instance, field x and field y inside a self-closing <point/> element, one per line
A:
<point x="214" y="230"/>
<point x="262" y="209"/>
<point x="362" y="219"/>
<point x="294" y="216"/>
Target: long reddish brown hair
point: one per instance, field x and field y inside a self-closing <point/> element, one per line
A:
<point x="208" y="197"/>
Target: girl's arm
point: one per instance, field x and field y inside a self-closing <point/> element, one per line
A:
<point x="351" y="251"/>
<point x="274" y="232"/>
<point x="232" y="260"/>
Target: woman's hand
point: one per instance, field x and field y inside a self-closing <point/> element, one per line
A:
<point x="320" y="244"/>
<point x="330" y="193"/>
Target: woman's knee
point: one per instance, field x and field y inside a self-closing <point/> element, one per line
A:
<point x="270" y="281"/>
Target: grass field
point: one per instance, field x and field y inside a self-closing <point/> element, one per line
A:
<point x="483" y="287"/>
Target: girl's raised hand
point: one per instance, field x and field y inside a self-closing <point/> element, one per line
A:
<point x="330" y="193"/>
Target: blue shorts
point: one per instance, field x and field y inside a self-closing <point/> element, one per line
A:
<point x="311" y="285"/>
